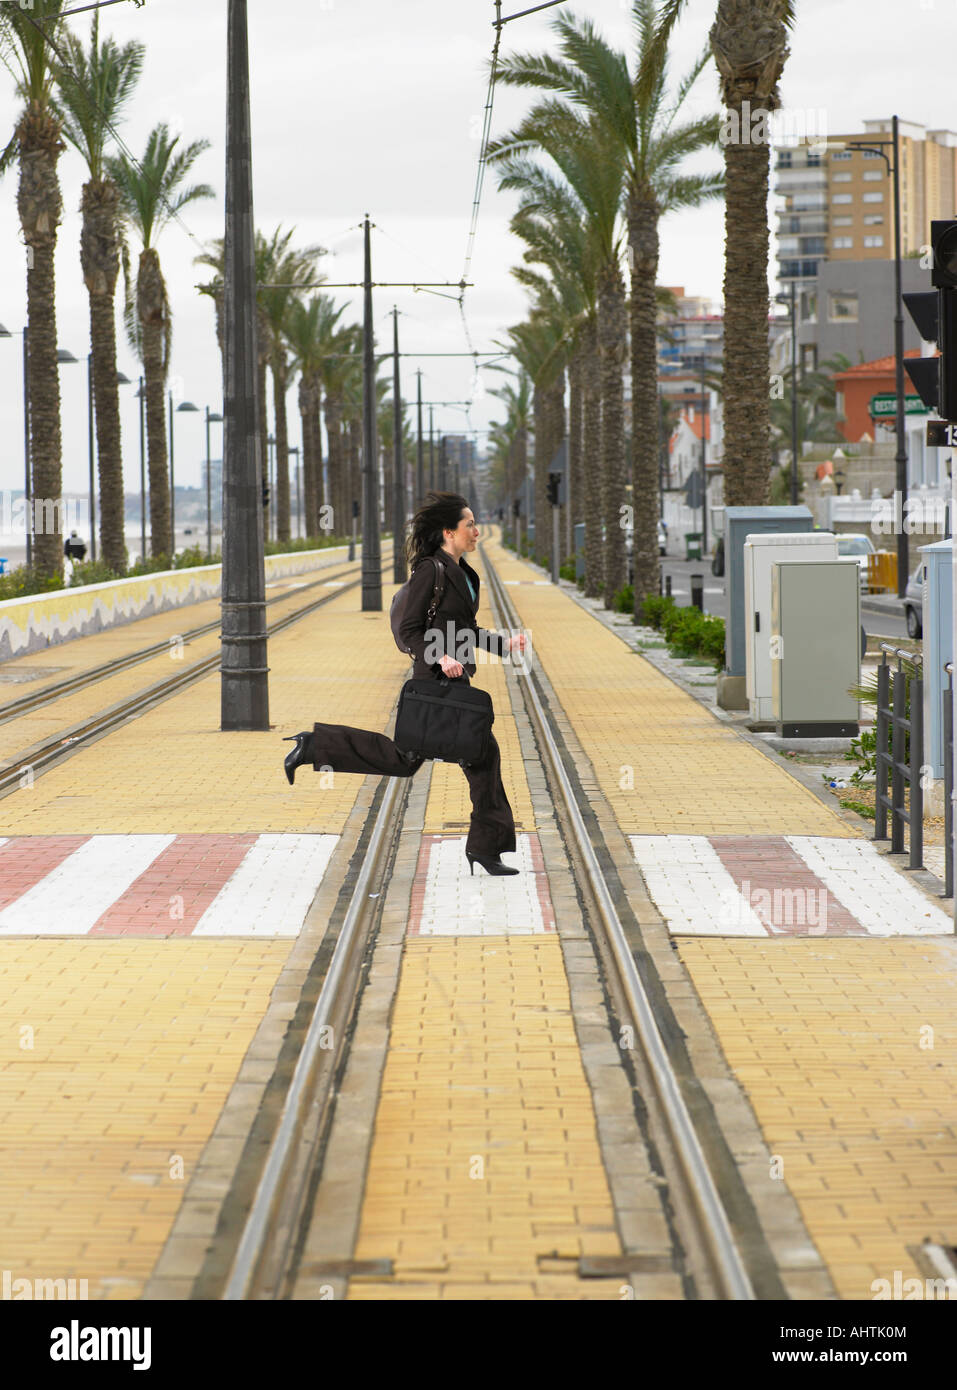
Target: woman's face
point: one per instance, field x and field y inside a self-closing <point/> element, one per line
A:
<point x="467" y="532"/>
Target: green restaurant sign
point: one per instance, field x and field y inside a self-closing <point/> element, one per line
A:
<point x="886" y="404"/>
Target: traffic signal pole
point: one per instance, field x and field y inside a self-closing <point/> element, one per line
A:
<point x="903" y="561"/>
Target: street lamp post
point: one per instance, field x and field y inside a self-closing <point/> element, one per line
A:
<point x="398" y="480"/>
<point x="211" y="419"/>
<point x="419" y="472"/>
<point x="299" y="529"/>
<point x="245" y="673"/>
<point x="704" y="457"/>
<point x="187" y="406"/>
<point x="371" y="555"/>
<point x="791" y="299"/>
<point x="880" y="147"/>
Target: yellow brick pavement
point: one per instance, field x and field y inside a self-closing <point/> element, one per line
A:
<point x="135" y="1043"/>
<point x="485" y="1155"/>
<point x="843" y="1046"/>
<point x="115" y="1060"/>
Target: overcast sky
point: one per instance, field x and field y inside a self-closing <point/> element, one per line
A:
<point x="374" y="105"/>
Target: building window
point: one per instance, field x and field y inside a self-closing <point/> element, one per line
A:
<point x="809" y="306"/>
<point x="874" y="154"/>
<point x="842" y="243"/>
<point x="842" y="308"/>
<point x="872" y="175"/>
<point x="841" y="154"/>
<point x="872" y="219"/>
<point x="842" y="222"/>
<point x="873" y="241"/>
<point x="809" y="357"/>
<point x="841" y="178"/>
<point x="873" y="197"/>
<point x="842" y="198"/>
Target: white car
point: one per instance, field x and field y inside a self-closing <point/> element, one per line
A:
<point x="856" y="545"/>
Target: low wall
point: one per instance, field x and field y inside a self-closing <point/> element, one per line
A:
<point x="38" y="621"/>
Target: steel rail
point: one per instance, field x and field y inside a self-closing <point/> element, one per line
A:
<point x="14" y="709"/>
<point x="41" y="756"/>
<point x="727" y="1264"/>
<point x="303" y="1094"/>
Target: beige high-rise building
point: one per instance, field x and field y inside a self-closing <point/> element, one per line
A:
<point x="839" y="204"/>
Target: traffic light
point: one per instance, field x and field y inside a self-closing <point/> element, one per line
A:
<point x="265" y="494"/>
<point x="935" y="314"/>
<point x="516" y="508"/>
<point x="355" y="509"/>
<point x="554" y="480"/>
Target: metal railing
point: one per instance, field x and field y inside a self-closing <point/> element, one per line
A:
<point x="892" y="719"/>
<point x="949" y="781"/>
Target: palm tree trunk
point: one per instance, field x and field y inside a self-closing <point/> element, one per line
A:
<point x="355" y="491"/>
<point x="40" y="206"/>
<point x="643" y="245"/>
<point x="575" y="405"/>
<point x="308" y="447"/>
<point x="280" y="383"/>
<point x="611" y="351"/>
<point x="100" y="259"/>
<point x="747" y="400"/>
<point x="539" y="490"/>
<point x="151" y="304"/>
<point x="591" y="460"/>
<point x="319" y="491"/>
<point x="333" y="413"/>
<point x="557" y="425"/>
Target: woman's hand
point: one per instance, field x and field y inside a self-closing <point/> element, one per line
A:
<point x="518" y="642"/>
<point x="451" y="667"/>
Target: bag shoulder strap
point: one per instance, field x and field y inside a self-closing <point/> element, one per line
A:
<point x="439" y="588"/>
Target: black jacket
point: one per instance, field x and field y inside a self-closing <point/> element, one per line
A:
<point x="454" y="617"/>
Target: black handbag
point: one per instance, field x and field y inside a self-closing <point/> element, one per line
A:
<point x="439" y="718"/>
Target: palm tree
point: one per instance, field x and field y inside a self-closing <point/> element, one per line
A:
<point x="151" y="193"/>
<point x="340" y="373"/>
<point x="95" y="85"/>
<point x="37" y="144"/>
<point x="635" y="118"/>
<point x="309" y="329"/>
<point x="749" y="40"/>
<point x="215" y="257"/>
<point x="511" y="436"/>
<point x="289" y="269"/>
<point x="594" y="170"/>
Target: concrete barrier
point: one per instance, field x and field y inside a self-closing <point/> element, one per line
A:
<point x="38" y="621"/>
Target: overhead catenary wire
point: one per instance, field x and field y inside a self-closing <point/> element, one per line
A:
<point x="498" y="22"/>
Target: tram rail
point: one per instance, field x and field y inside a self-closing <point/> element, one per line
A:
<point x="263" y="1263"/>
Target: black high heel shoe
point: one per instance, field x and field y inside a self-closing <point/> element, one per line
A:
<point x="491" y="866"/>
<point x="298" y="755"/>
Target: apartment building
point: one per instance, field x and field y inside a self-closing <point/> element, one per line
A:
<point x="690" y="337"/>
<point x="838" y="204"/>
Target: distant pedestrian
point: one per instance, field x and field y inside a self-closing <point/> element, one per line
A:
<point x="74" y="549"/>
<point x="443" y="528"/>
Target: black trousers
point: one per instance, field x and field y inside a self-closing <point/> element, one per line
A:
<point x="344" y="749"/>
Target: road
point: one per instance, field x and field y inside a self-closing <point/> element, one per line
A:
<point x="715" y="600"/>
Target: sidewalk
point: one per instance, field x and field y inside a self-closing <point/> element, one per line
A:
<point x="153" y="888"/>
<point x="829" y="978"/>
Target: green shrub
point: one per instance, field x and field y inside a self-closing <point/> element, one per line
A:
<point x="653" y="609"/>
<point x="567" y="571"/>
<point x="624" y="600"/>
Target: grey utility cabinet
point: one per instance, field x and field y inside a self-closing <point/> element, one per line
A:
<point x="739" y="523"/>
<point x="937" y="604"/>
<point x="816" y="658"/>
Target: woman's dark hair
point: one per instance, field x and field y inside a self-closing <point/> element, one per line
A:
<point x="440" y="511"/>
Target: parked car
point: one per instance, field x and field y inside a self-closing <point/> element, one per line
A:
<point x="914" y="603"/>
<point x="857" y="545"/>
